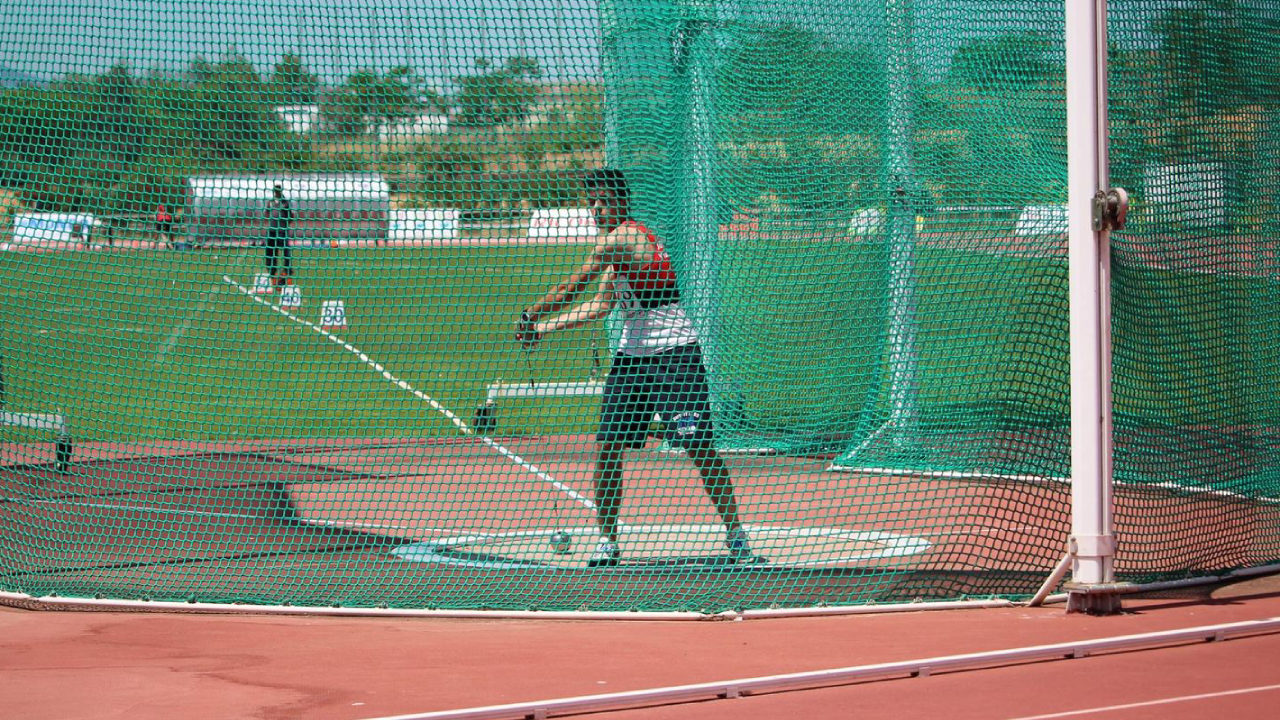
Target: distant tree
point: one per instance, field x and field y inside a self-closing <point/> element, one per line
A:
<point x="779" y="78"/>
<point x="498" y="96"/>
<point x="585" y="130"/>
<point x="368" y="99"/>
<point x="1214" y="67"/>
<point x="230" y="109"/>
<point x="994" y="127"/>
<point x="115" y="106"/>
<point x="115" y="142"/>
<point x="116" y="134"/>
<point x="451" y="174"/>
<point x="44" y="139"/>
<point x="291" y="82"/>
<point x="199" y="69"/>
<point x="1005" y="62"/>
<point x="1134" y="87"/>
<point x="803" y="107"/>
<point x="1204" y="54"/>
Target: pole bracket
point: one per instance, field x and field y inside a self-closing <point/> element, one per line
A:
<point x="1093" y="598"/>
<point x="1092" y="545"/>
<point x="1110" y="209"/>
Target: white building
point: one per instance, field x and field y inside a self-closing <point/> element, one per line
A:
<point x="414" y="127"/>
<point x="326" y="207"/>
<point x="53" y="229"/>
<point x="300" y="119"/>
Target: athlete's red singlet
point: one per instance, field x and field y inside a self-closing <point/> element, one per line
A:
<point x="650" y="300"/>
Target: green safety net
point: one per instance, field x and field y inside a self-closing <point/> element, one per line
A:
<point x="207" y="397"/>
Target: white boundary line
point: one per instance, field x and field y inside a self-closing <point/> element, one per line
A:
<point x="1150" y="703"/>
<point x="890" y="545"/>
<point x="893" y="544"/>
<point x="727" y="689"/>
<point x="961" y="474"/>
<point x="1045" y="479"/>
<point x="155" y="510"/>
<point x="453" y="418"/>
<point x="181" y="330"/>
<point x="53" y="602"/>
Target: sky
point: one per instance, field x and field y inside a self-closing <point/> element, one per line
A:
<point x="47" y="39"/>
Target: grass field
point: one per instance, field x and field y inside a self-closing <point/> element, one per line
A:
<point x="141" y="348"/>
<point x="154" y="344"/>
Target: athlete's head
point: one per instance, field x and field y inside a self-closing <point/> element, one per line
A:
<point x="278" y="190"/>
<point x="608" y="197"/>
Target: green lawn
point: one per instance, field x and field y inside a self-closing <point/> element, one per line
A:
<point x="155" y="345"/>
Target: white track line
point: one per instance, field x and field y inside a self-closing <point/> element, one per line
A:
<point x="156" y="510"/>
<point x="181" y="330"/>
<point x="1046" y="480"/>
<point x="465" y="429"/>
<point x="1150" y="703"/>
<point x="924" y="667"/>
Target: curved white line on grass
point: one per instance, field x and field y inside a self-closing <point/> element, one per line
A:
<point x="453" y="418"/>
<point x="181" y="330"/>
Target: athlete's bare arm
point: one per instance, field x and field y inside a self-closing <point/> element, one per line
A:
<point x="623" y="245"/>
<point x="599" y="306"/>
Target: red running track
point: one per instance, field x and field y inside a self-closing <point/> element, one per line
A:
<point x="69" y="665"/>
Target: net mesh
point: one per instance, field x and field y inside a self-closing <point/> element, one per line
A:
<point x="214" y="392"/>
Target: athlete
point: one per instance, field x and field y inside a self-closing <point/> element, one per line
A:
<point x="279" y="256"/>
<point x="657" y="369"/>
<point x="164" y="226"/>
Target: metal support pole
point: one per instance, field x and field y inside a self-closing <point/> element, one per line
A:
<point x="610" y="62"/>
<point x="1092" y="544"/>
<point x="904" y="200"/>
<point x="611" y="65"/>
<point x="696" y="50"/>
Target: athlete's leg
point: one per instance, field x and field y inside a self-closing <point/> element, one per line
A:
<point x="286" y="255"/>
<point x="270" y="250"/>
<point x="717" y="482"/>
<point x="719" y="487"/>
<point x="624" y="419"/>
<point x="687" y="411"/>
<point x="608" y="482"/>
<point x="685" y="404"/>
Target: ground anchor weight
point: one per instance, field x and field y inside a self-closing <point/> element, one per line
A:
<point x="63" y="449"/>
<point x="485" y="419"/>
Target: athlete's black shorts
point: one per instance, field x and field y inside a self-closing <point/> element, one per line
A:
<point x="671" y="384"/>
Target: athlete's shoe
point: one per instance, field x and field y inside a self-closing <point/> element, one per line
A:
<point x="740" y="548"/>
<point x="607" y="554"/>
